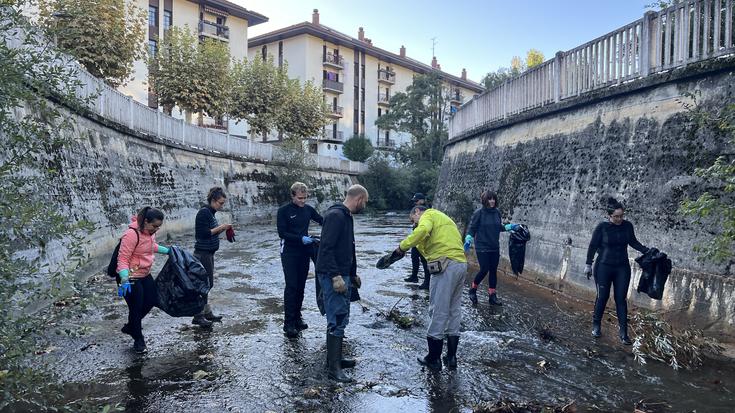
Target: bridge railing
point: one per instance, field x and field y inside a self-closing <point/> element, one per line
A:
<point x="691" y="31"/>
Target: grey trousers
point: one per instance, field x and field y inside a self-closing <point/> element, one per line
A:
<point x="445" y="300"/>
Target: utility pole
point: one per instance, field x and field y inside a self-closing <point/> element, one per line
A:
<point x="434" y="42"/>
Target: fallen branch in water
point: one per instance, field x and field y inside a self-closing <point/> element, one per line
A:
<point x="395" y="315"/>
<point x="655" y="339"/>
<point x="510" y="406"/>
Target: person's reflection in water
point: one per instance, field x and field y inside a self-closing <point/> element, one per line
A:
<point x="442" y="392"/>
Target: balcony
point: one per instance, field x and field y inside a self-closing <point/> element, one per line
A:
<point x="383" y="99"/>
<point x="333" y="60"/>
<point x="332" y="86"/>
<point x="214" y="30"/>
<point x="330" y="135"/>
<point x="335" y="111"/>
<point x="455" y="98"/>
<point x="386" y="143"/>
<point x="385" y="76"/>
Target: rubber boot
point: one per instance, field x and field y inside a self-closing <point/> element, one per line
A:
<point x="209" y="315"/>
<point x="334" y="359"/>
<point x="473" y="296"/>
<point x="433" y="359"/>
<point x="425" y="285"/>
<point x="624" y="335"/>
<point x="412" y="279"/>
<point x="451" y="358"/>
<point x="494" y="300"/>
<point x="596" y="329"/>
<point x="139" y="346"/>
<point x="290" y="331"/>
<point x="301" y="325"/>
<point x="201" y="321"/>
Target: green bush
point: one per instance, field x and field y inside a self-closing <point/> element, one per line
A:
<point x="358" y="148"/>
<point x="388" y="186"/>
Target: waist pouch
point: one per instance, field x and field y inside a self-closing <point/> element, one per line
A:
<point x="438" y="265"/>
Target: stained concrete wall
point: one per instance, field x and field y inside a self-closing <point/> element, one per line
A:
<point x="110" y="172"/>
<point x="636" y="142"/>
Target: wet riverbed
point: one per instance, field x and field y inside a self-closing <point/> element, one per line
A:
<point x="245" y="364"/>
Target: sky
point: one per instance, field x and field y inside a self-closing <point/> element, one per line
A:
<point x="480" y="36"/>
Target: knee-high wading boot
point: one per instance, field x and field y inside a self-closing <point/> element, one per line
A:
<point x="450" y="360"/>
<point x="624" y="334"/>
<point x="433" y="359"/>
<point x="596" y="328"/>
<point x="334" y="359"/>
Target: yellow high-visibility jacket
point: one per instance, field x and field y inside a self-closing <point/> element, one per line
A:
<point x="436" y="236"/>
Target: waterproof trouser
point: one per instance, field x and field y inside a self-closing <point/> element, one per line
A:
<point x="617" y="276"/>
<point x="417" y="258"/>
<point x="445" y="301"/>
<point x="207" y="260"/>
<point x="336" y="305"/>
<point x="488" y="261"/>
<point x="295" y="263"/>
<point x="142" y="297"/>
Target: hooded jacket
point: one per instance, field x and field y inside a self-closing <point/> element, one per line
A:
<point x="436" y="236"/>
<point x="337" y="246"/>
<point x="485" y="227"/>
<point x="136" y="258"/>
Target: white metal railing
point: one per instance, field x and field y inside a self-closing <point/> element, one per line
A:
<point x="109" y="103"/>
<point x="691" y="31"/>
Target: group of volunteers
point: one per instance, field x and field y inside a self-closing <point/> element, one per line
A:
<point x="435" y="244"/>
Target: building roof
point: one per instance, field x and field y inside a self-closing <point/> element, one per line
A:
<point x="338" y="38"/>
<point x="233" y="9"/>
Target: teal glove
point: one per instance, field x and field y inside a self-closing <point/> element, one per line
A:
<point x="511" y="227"/>
<point x="306" y="240"/>
<point x="125" y="285"/>
<point x="468" y="242"/>
<point x="163" y="250"/>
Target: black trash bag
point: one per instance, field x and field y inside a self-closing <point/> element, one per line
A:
<point x="656" y="267"/>
<point x="386" y="260"/>
<point x="183" y="284"/>
<point x="517" y="248"/>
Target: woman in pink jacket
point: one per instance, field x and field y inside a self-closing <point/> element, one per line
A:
<point x="134" y="264"/>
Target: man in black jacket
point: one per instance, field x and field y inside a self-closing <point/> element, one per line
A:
<point x="296" y="250"/>
<point x="336" y="269"/>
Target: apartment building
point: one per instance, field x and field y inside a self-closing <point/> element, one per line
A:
<point x="357" y="78"/>
<point x="216" y="19"/>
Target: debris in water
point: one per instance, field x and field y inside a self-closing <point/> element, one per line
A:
<point x="200" y="374"/>
<point x="542" y="366"/>
<point x="312" y="393"/>
<point x="643" y="406"/>
<point x="545" y="333"/>
<point x="510" y="406"/>
<point x="395" y="315"/>
<point x="655" y="339"/>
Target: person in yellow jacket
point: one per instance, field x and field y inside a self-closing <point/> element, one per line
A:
<point x="437" y="238"/>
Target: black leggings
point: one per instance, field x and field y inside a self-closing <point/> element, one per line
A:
<point x="142" y="297"/>
<point x="488" y="261"/>
<point x="416" y="257"/>
<point x="619" y="277"/>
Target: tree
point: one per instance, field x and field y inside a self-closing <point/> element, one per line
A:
<point x="33" y="134"/>
<point x="259" y="89"/>
<point x="358" y="148"/>
<point x="517" y="65"/>
<point x="303" y="113"/>
<point x="716" y="205"/>
<point x="105" y="36"/>
<point x="388" y="186"/>
<point x="191" y="74"/>
<point x="420" y="111"/>
<point x="495" y="79"/>
<point x="534" y="58"/>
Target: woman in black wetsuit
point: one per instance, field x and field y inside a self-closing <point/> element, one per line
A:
<point x="610" y="241"/>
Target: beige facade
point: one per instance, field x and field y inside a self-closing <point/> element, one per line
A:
<point x="217" y="19"/>
<point x="347" y="68"/>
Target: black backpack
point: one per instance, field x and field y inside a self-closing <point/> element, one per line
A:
<point x="112" y="266"/>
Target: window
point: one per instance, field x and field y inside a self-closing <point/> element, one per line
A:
<point x="152" y="48"/>
<point x="280" y="54"/>
<point x="153" y="16"/>
<point x="380" y="112"/>
<point x="168" y="19"/>
<point x="264" y="52"/>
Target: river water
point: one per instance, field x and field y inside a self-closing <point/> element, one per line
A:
<point x="245" y="364"/>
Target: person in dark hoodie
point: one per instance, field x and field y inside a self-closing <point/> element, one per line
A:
<point x="610" y="241"/>
<point x="336" y="271"/>
<point x="207" y="231"/>
<point x="297" y="247"/>
<point x="134" y="262"/>
<point x="419" y="199"/>
<point x="484" y="230"/>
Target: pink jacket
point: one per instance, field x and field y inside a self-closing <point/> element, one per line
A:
<point x="137" y="259"/>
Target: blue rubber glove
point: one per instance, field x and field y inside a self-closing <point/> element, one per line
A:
<point x="468" y="242"/>
<point x="511" y="227"/>
<point x="163" y="250"/>
<point x="125" y="285"/>
<point x="307" y="239"/>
